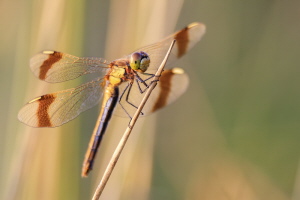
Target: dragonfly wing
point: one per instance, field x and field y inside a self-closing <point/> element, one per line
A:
<point x="53" y="66"/>
<point x="55" y="109"/>
<point x="172" y="84"/>
<point x="185" y="40"/>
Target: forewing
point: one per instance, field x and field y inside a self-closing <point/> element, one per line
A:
<point x="185" y="40"/>
<point x="55" y="109"/>
<point x="172" y="84"/>
<point x="53" y="66"/>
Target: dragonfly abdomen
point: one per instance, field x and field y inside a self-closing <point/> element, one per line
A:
<point x="110" y="100"/>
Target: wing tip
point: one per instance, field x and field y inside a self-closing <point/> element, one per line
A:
<point x="22" y="118"/>
<point x="199" y="26"/>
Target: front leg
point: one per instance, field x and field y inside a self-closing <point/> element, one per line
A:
<point x="139" y="79"/>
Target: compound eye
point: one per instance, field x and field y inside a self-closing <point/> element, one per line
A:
<point x="135" y="60"/>
<point x="145" y="62"/>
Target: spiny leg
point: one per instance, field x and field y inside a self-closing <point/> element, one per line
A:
<point x="127" y="98"/>
<point x="128" y="87"/>
<point x="139" y="79"/>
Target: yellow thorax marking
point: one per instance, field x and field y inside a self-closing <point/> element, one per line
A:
<point x="116" y="74"/>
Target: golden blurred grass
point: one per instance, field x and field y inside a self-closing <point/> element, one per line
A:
<point x="234" y="134"/>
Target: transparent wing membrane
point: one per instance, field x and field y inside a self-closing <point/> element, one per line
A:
<point x="185" y="40"/>
<point x="55" y="109"/>
<point x="53" y="66"/>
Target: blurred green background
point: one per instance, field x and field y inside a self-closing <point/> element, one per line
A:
<point x="233" y="135"/>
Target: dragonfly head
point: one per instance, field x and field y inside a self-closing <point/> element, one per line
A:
<point x="139" y="61"/>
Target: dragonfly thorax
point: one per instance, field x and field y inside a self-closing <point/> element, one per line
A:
<point x="116" y="75"/>
<point x="139" y="61"/>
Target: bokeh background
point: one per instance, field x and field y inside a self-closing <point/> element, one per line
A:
<point x="233" y="135"/>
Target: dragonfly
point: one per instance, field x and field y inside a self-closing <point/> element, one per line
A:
<point x="120" y="85"/>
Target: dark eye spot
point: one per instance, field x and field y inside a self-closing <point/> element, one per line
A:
<point x="135" y="62"/>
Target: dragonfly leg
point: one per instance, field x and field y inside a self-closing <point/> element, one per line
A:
<point x="139" y="79"/>
<point x="127" y="99"/>
<point x="128" y="87"/>
<point x="151" y="76"/>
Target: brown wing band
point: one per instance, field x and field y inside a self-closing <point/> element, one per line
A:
<point x="165" y="89"/>
<point x="182" y="39"/>
<point x="47" y="64"/>
<point x="42" y="113"/>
